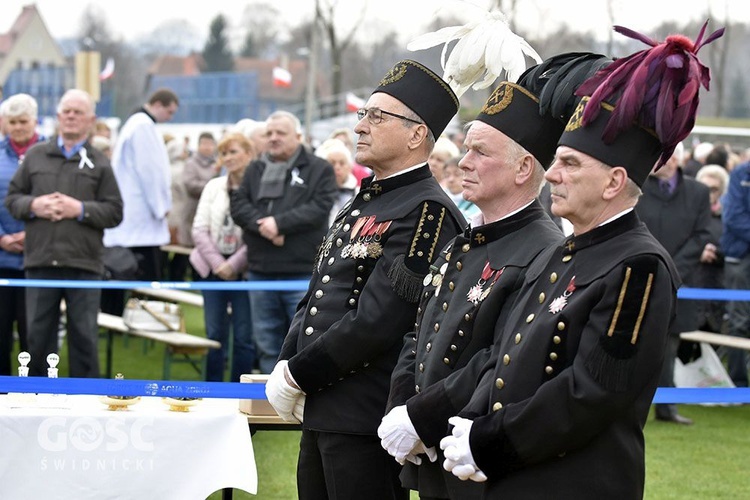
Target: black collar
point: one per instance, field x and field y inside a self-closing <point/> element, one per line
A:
<point x="573" y="244"/>
<point x="487" y="233"/>
<point x="376" y="187"/>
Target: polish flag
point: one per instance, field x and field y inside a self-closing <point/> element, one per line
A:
<point x="353" y="103"/>
<point x="281" y="77"/>
<point x="108" y="71"/>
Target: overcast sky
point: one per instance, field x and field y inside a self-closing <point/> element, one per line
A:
<point x="133" y="18"/>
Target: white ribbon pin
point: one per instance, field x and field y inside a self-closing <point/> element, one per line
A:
<point x="84" y="159"/>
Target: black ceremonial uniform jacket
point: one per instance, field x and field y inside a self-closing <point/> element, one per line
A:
<point x="577" y="369"/>
<point x="345" y="339"/>
<point x="469" y="291"/>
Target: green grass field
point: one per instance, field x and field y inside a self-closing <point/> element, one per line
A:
<point x="705" y="461"/>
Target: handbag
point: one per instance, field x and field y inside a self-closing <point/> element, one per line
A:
<point x="705" y="371"/>
<point x="153" y="316"/>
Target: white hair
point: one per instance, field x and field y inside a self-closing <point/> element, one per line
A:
<point x="289" y="116"/>
<point x="333" y="146"/>
<point x="19" y="105"/>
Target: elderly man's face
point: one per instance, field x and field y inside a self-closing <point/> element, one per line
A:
<point x="489" y="167"/>
<point x="283" y="140"/>
<point x="20" y="129"/>
<point x="578" y="182"/>
<point x="75" y="117"/>
<point x="380" y="146"/>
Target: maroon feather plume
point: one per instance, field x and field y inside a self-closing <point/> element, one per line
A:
<point x="657" y="87"/>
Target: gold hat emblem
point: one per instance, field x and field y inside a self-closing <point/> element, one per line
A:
<point x="499" y="100"/>
<point x="576" y="120"/>
<point x="394" y="74"/>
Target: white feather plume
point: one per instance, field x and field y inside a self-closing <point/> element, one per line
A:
<point x="486" y="49"/>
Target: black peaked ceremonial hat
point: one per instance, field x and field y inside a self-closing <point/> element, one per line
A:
<point x="636" y="149"/>
<point x="422" y="91"/>
<point x="641" y="106"/>
<point x="514" y="111"/>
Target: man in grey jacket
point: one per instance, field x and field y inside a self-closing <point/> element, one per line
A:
<point x="66" y="194"/>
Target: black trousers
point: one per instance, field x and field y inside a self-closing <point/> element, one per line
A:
<point x="336" y="466"/>
<point x="12" y="310"/>
<point x="43" y="317"/>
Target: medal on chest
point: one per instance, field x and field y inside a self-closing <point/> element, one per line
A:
<point x="560" y="302"/>
<point x="478" y="293"/>
<point x="365" y="239"/>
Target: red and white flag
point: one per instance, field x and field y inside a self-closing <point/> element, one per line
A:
<point x="108" y="71"/>
<point x="281" y="77"/>
<point x="353" y="103"/>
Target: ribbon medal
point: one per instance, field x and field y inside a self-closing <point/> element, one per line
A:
<point x="478" y="293"/>
<point x="560" y="302"/>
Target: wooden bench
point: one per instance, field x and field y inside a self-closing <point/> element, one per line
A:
<point x="176" y="344"/>
<point x="716" y="339"/>
<point x="176" y="296"/>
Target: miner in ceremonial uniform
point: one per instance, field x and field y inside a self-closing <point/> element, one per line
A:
<point x="471" y="286"/>
<point x="335" y="365"/>
<point x="560" y="412"/>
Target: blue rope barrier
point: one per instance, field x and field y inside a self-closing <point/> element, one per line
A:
<point x="292" y="285"/>
<point x="110" y="387"/>
<point x="233" y="390"/>
<point x="280" y="285"/>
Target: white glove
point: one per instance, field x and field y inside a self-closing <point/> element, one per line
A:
<point x="414" y="457"/>
<point x="397" y="434"/>
<point x="299" y="408"/>
<point x="457" y="451"/>
<point x="282" y="396"/>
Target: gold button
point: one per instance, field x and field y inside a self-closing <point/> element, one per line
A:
<point x="506" y="360"/>
<point x="352" y="302"/>
<point x="445" y="306"/>
<point x="437" y="327"/>
<point x="347" y="227"/>
<point x="553" y="277"/>
<point x="561" y="326"/>
<point x="419" y="310"/>
<point x="339" y="242"/>
<point x="421" y="367"/>
<point x="466" y="247"/>
<point x="446" y="361"/>
<point x="459" y="266"/>
<point x="556" y="339"/>
<point x="451" y="286"/>
<point x="461" y="333"/>
<point x="530" y="318"/>
<point x="428" y="346"/>
<point x="318" y="294"/>
<point x="355" y="292"/>
<point x="499" y="383"/>
<point x="467" y="317"/>
<point x="309" y="330"/>
<point x="553" y="356"/>
<point x="416" y="388"/>
<point x="359" y="279"/>
<point x="542" y="297"/>
<point x="313" y="311"/>
<point x="331" y="261"/>
<point x="567" y="258"/>
<point x="548" y="369"/>
<point x="497" y="406"/>
<point x="518" y="338"/>
<point x="325" y="279"/>
<point x="355" y="212"/>
<point x="454" y="348"/>
<point x="366" y="197"/>
<point x="360" y="268"/>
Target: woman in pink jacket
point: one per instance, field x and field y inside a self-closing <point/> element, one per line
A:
<point x="220" y="255"/>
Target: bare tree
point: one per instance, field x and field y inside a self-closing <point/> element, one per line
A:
<point x="325" y="11"/>
<point x="173" y="36"/>
<point x="260" y="21"/>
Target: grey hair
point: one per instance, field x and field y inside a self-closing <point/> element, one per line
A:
<point x="411" y="115"/>
<point x="69" y="94"/>
<point x="717" y="172"/>
<point x="289" y="116"/>
<point x="19" y="105"/>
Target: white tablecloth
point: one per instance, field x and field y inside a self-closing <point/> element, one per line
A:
<point x="80" y="450"/>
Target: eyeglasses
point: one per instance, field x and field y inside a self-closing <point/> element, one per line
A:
<point x="375" y="115"/>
